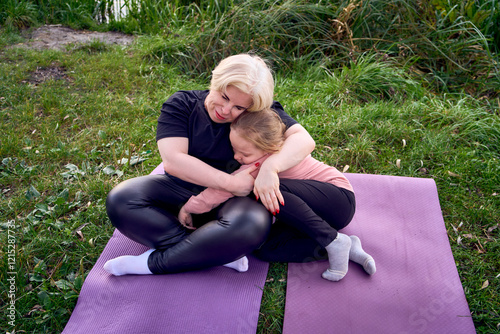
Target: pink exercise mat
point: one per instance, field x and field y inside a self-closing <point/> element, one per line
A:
<point x="217" y="300"/>
<point x="416" y="288"/>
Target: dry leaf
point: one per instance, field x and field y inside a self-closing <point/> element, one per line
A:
<point x="398" y="163"/>
<point x="468" y="235"/>
<point x="453" y="174"/>
<point x="492" y="228"/>
<point x="80" y="235"/>
<point x="485" y="285"/>
<point x="404" y="143"/>
<point x="346" y="167"/>
<point x="423" y="170"/>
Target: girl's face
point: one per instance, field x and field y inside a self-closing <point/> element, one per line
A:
<point x="224" y="107"/>
<point x="245" y="152"/>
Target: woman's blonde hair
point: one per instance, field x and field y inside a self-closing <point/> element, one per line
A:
<point x="263" y="128"/>
<point x="248" y="73"/>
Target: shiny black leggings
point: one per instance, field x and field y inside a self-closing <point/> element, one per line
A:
<point x="145" y="210"/>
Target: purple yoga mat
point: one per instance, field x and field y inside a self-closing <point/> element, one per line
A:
<point x="216" y="300"/>
<point x="416" y="288"/>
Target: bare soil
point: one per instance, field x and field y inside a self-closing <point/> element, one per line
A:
<point x="58" y="37"/>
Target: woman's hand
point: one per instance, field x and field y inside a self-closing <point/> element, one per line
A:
<point x="242" y="183"/>
<point x="186" y="219"/>
<point x="267" y="189"/>
<point x="298" y="144"/>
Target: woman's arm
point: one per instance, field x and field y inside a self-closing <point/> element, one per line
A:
<point x="298" y="145"/>
<point x="177" y="162"/>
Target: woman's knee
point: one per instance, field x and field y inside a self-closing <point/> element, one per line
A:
<point x="119" y="199"/>
<point x="247" y="219"/>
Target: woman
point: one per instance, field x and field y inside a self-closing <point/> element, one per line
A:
<point x="193" y="140"/>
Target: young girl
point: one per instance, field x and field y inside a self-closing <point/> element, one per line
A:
<point x="319" y="208"/>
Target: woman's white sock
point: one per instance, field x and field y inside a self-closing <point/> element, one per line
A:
<point x="129" y="264"/>
<point x="240" y="265"/>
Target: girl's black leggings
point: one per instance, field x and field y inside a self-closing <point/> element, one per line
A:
<point x="145" y="210"/>
<point x="313" y="213"/>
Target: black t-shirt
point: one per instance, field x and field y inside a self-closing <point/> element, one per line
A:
<point x="184" y="115"/>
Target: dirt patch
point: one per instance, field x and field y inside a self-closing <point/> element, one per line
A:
<point x="42" y="74"/>
<point x="58" y="37"/>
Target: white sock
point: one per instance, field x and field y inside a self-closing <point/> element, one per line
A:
<point x="338" y="257"/>
<point x="240" y="265"/>
<point x="129" y="264"/>
<point x="358" y="255"/>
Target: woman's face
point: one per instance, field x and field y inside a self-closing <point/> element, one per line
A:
<point x="224" y="107"/>
<point x="245" y="152"/>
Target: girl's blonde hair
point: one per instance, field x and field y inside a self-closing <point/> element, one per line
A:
<point x="248" y="73"/>
<point x="263" y="128"/>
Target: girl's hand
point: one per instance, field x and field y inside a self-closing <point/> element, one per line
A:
<point x="186" y="219"/>
<point x="267" y="189"/>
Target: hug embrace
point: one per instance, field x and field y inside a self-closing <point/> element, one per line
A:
<point x="239" y="179"/>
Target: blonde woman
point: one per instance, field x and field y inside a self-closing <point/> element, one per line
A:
<point x="193" y="141"/>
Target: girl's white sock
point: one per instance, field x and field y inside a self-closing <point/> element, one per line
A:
<point x="338" y="257"/>
<point x="358" y="255"/>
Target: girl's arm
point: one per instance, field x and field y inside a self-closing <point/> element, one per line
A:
<point x="298" y="145"/>
<point x="211" y="198"/>
<point x="177" y="162"/>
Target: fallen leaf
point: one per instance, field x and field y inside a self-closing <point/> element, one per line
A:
<point x="423" y="170"/>
<point x="485" y="285"/>
<point x="404" y="143"/>
<point x="346" y="167"/>
<point x="398" y="163"/>
<point x="453" y="174"/>
<point x="468" y="235"/>
<point x="492" y="228"/>
<point x="36" y="308"/>
<point x="80" y="235"/>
